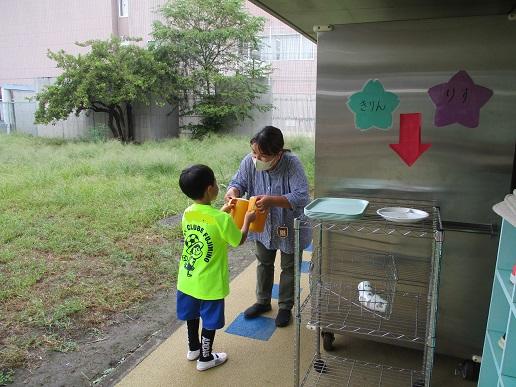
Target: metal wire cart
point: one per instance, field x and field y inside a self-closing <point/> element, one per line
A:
<point x="372" y="278"/>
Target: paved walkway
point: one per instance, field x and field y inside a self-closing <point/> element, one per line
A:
<point x="259" y="354"/>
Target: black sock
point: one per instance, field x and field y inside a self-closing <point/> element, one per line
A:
<point x="193" y="334"/>
<point x="207" y="337"/>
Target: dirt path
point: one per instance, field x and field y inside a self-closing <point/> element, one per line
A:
<point x="103" y="359"/>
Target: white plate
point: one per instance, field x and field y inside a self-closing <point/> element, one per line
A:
<point x="402" y="214"/>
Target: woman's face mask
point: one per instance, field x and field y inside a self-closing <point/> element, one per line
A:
<point x="262" y="165"/>
<point x="258" y="159"/>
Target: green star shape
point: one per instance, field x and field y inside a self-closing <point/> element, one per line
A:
<point x="373" y="106"/>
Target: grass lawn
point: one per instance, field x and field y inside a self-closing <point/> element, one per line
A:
<point x="78" y="234"/>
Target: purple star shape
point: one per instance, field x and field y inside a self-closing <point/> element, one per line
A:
<point x="459" y="100"/>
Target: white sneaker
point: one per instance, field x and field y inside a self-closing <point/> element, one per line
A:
<point x="376" y="303"/>
<point x="311" y="326"/>
<point x="365" y="291"/>
<point x="193" y="355"/>
<point x="369" y="299"/>
<point x="501" y="342"/>
<point x="365" y="287"/>
<point x="218" y="359"/>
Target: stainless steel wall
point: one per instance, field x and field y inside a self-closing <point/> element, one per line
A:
<point x="466" y="170"/>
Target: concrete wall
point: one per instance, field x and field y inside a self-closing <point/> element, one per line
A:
<point x="74" y="127"/>
<point x="17" y="111"/>
<point x="154" y="122"/>
<point x="260" y="119"/>
<point x="151" y="122"/>
<point x="24" y="117"/>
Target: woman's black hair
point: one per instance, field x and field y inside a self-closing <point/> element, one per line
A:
<point x="269" y="140"/>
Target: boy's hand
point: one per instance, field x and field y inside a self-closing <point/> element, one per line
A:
<point x="227" y="207"/>
<point x="250" y="216"/>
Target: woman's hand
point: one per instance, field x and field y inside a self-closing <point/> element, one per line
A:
<point x="232" y="193"/>
<point x="264" y="202"/>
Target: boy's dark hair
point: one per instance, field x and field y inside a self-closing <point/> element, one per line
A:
<point x="269" y="140"/>
<point x="195" y="179"/>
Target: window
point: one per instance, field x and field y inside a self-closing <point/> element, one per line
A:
<point x="307" y="49"/>
<point x="286" y="47"/>
<point x="265" y="48"/>
<point x="244" y="50"/>
<point x="123" y="8"/>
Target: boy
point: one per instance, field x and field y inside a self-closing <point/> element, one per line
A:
<point x="203" y="277"/>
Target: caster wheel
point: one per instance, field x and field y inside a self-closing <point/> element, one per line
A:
<point x="328" y="339"/>
<point x="469" y="370"/>
<point x="320" y="366"/>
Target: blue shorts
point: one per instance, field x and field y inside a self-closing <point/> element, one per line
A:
<point x="210" y="311"/>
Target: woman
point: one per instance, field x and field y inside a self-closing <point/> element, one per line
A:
<point x="278" y="179"/>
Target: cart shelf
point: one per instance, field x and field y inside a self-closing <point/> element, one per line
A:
<point x="372" y="223"/>
<point x="402" y="264"/>
<point x="335" y="307"/>
<point x="339" y="371"/>
<point x="354" y="266"/>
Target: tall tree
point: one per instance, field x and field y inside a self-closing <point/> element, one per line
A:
<point x="109" y="79"/>
<point x="211" y="43"/>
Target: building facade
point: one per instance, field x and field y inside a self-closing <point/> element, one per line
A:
<point x="293" y="80"/>
<point x="31" y="28"/>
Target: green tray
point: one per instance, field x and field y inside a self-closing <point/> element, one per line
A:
<point x="336" y="209"/>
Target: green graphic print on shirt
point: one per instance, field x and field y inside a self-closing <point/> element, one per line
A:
<point x="195" y="247"/>
<point x="203" y="269"/>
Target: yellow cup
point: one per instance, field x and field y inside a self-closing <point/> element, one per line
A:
<point x="258" y="224"/>
<point x="239" y="210"/>
<point x="241" y="207"/>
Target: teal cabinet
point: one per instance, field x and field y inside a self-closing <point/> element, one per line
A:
<point x="499" y="366"/>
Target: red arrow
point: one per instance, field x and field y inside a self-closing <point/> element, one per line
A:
<point x="410" y="147"/>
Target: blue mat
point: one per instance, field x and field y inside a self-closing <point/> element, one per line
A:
<point x="259" y="328"/>
<point x="305" y="266"/>
<point x="275" y="291"/>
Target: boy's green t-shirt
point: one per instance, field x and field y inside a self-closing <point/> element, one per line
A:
<point x="203" y="269"/>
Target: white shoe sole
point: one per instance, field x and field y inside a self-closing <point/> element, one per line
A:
<point x="373" y="302"/>
<point x="501" y="343"/>
<point x="219" y="359"/>
<point x="193" y="355"/>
